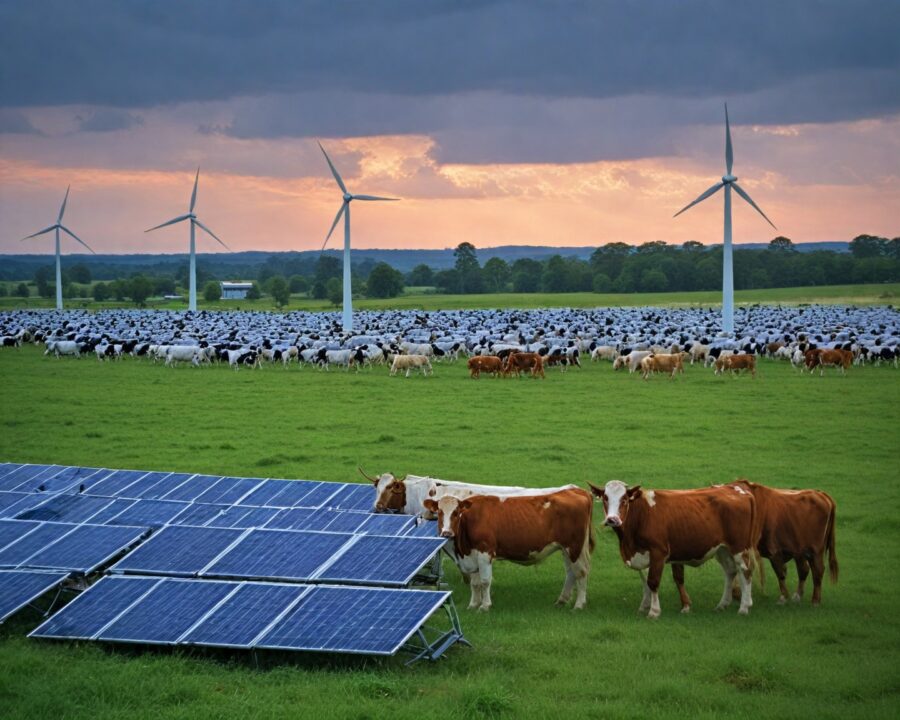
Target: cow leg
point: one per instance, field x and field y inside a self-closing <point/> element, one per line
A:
<point x="678" y="577"/>
<point x="645" y="599"/>
<point x="802" y="573"/>
<point x="777" y="561"/>
<point x="744" y="564"/>
<point x="569" y="584"/>
<point x="818" y="571"/>
<point x="474" y="582"/>
<point x="728" y="568"/>
<point x="486" y="571"/>
<point x="654" y="575"/>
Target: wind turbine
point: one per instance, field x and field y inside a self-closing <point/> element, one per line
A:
<point x="345" y="211"/>
<point x="57" y="227"/>
<point x="729" y="181"/>
<point x="192" y="294"/>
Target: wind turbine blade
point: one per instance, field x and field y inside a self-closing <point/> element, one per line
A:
<point x="62" y="209"/>
<point x="170" y="222"/>
<point x="194" y="194"/>
<point x="210" y="232"/>
<point x="75" y="237"/>
<point x="373" y="197"/>
<point x="729" y="153"/>
<point x="712" y="191"/>
<point x="337" y="219"/>
<point x="334" y="171"/>
<point x="40" y="232"/>
<point x="740" y="191"/>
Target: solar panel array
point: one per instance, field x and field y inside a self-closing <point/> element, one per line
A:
<point x="216" y="569"/>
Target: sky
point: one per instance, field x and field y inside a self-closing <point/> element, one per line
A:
<point x="497" y="123"/>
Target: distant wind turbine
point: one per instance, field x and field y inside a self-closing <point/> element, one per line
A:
<point x="59" y="226"/>
<point x="192" y="294"/>
<point x="729" y="181"/>
<point x="345" y="211"/>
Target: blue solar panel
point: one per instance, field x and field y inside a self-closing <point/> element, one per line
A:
<point x="342" y="521"/>
<point x="115" y="507"/>
<point x="277" y="555"/>
<point x="142" y="485"/>
<point x="20" y="587"/>
<point x="85" y="548"/>
<point x="229" y="490"/>
<point x="115" y="484"/>
<point x="291" y="519"/>
<point x="27" y="501"/>
<point x="423" y="528"/>
<point x="151" y="490"/>
<point x="265" y="493"/>
<point x="378" y="560"/>
<point x="177" y="550"/>
<point x="13" y="530"/>
<point x="18" y="552"/>
<point x="95" y="608"/>
<point x="9" y="498"/>
<point x="149" y="513"/>
<point x="383" y="524"/>
<point x="321" y="519"/>
<point x="66" y="508"/>
<point x="168" y="611"/>
<point x="245" y="615"/>
<point x="198" y="514"/>
<point x="193" y="488"/>
<point x="243" y="517"/>
<point x="6" y="469"/>
<point x="70" y="477"/>
<point x="26" y="473"/>
<point x="292" y="492"/>
<point x="319" y="495"/>
<point x="354" y="496"/>
<point x="373" y="621"/>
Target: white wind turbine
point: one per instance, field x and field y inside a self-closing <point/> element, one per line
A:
<point x="59" y="226"/>
<point x="345" y="211"/>
<point x="729" y="181"/>
<point x="192" y="293"/>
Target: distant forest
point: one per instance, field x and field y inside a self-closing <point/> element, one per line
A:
<point x="614" y="267"/>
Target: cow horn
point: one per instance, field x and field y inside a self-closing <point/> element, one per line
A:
<point x="370" y="479"/>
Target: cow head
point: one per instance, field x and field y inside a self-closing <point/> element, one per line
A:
<point x="616" y="498"/>
<point x="390" y="493"/>
<point x="449" y="510"/>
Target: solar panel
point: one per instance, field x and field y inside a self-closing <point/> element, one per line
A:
<point x="152" y="490"/>
<point x="85" y="548"/>
<point x="243" y="517"/>
<point x="66" y="478"/>
<point x="27" y="501"/>
<point x="142" y="485"/>
<point x="383" y="524"/>
<point x="265" y="493"/>
<point x="245" y="615"/>
<point x="423" y="528"/>
<point x="24" y="474"/>
<point x="290" y="494"/>
<point x="6" y="469"/>
<point x="334" y="521"/>
<point x="277" y="555"/>
<point x="378" y="560"/>
<point x="291" y="519"/>
<point x="115" y="507"/>
<point x="95" y="608"/>
<point x="13" y="530"/>
<point x="169" y="610"/>
<point x="322" y="519"/>
<point x="178" y="550"/>
<point x="149" y="513"/>
<point x="319" y="495"/>
<point x="354" y="496"/>
<point x="9" y="498"/>
<point x="114" y="485"/>
<point x="192" y="488"/>
<point x="198" y="514"/>
<point x="18" y="588"/>
<point x="66" y="508"/>
<point x="18" y="552"/>
<point x="373" y="621"/>
<point x="229" y="490"/>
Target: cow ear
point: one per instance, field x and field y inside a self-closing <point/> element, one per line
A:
<point x="634" y="493"/>
<point x="430" y="505"/>
<point x="397" y="487"/>
<point x="599" y="492"/>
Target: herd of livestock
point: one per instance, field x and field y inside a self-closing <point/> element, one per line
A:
<point x="500" y="343"/>
<point x="737" y="523"/>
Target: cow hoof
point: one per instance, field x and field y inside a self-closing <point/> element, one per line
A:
<point x="796" y="598"/>
<point x="744" y="611"/>
<point x="484" y="608"/>
<point x="686" y="609"/>
<point x="652" y="615"/>
<point x="720" y="607"/>
<point x="782" y="600"/>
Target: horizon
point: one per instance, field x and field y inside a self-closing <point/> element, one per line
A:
<point x="515" y="143"/>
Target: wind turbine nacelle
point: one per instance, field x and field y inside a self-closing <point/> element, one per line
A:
<point x="729" y="179"/>
<point x="347" y="197"/>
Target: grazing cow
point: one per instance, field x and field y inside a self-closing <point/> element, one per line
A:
<point x="698" y="351"/>
<point x="478" y="364"/>
<point x="516" y="362"/>
<point x="834" y="358"/>
<point x="632" y="360"/>
<point x="736" y="363"/>
<point x="63" y="347"/>
<point x="795" y="525"/>
<point x="244" y="356"/>
<point x="411" y="362"/>
<point x="656" y="527"/>
<point x="9" y="341"/>
<point x="411" y="348"/>
<point x="662" y="363"/>
<point x="715" y="354"/>
<point x="184" y="353"/>
<point x="603" y="352"/>
<point x="523" y="530"/>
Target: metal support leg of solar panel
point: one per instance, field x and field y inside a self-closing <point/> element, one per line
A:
<point x="422" y="648"/>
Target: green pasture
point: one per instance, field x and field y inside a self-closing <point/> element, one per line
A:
<point x="417" y="299"/>
<point x="530" y="659"/>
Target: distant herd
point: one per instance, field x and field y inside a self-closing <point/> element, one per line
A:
<point x="737" y="523"/>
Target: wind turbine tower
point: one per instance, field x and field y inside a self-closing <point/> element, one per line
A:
<point x="57" y="227"/>
<point x="728" y="182"/>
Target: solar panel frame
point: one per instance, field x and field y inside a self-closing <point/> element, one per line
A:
<point x="179" y="551"/>
<point x="19" y="588"/>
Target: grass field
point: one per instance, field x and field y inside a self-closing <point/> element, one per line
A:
<point x="529" y="659"/>
<point x="830" y="294"/>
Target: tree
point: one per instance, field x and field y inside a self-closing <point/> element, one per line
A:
<point x="42" y="279"/>
<point x="334" y="291"/>
<point x="866" y="246"/>
<point x="253" y="293"/>
<point x="447" y="281"/>
<point x="692" y="246"/>
<point x="496" y="274"/>
<point x="140" y="289"/>
<point x="553" y="279"/>
<point x="601" y="283"/>
<point x="164" y="285"/>
<point x="319" y="289"/>
<point x="298" y="284"/>
<point x="610" y="258"/>
<point x="782" y="244"/>
<point x="80" y="273"/>
<point x="526" y="275"/>
<point x="420" y="275"/>
<point x="653" y="281"/>
<point x="100" y="292"/>
<point x="212" y="292"/>
<point x="467" y="267"/>
<point x="22" y="290"/>
<point x="384" y="281"/>
<point x="327" y="267"/>
<point x="280" y="291"/>
<point x="3" y="292"/>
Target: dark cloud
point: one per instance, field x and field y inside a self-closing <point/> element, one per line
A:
<point x="17" y="122"/>
<point x="109" y="120"/>
<point x="150" y="52"/>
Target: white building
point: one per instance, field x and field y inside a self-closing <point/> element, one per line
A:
<point x="235" y="290"/>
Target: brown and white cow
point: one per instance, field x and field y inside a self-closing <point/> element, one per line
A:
<point x="655" y="527"/>
<point x="736" y="363"/>
<point x="670" y="364"/>
<point x="485" y="363"/>
<point x="795" y="525"/>
<point x="822" y="357"/>
<point x="523" y="530"/>
<point x="516" y="362"/>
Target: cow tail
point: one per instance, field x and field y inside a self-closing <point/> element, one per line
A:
<point x="760" y="569"/>
<point x="591" y="542"/>
<point x="832" y="557"/>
